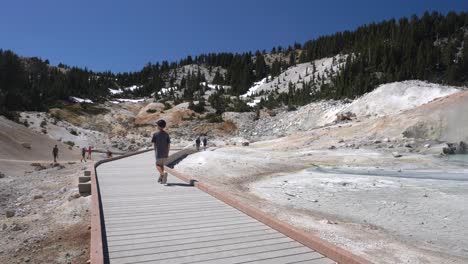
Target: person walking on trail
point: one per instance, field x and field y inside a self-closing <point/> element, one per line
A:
<point x="204" y="142"/>
<point x="83" y="154"/>
<point x="89" y="152"/>
<point x="197" y="143"/>
<point x="55" y="151"/>
<point x="162" y="145"/>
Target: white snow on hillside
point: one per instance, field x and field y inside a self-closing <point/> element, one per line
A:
<point x="121" y="90"/>
<point x="254" y="103"/>
<point x="80" y="100"/>
<point x="133" y="88"/>
<point x="215" y="86"/>
<point x="392" y="98"/>
<point x="129" y="100"/>
<point x="166" y="90"/>
<point x="255" y="87"/>
<point x="114" y="92"/>
<point x="325" y="68"/>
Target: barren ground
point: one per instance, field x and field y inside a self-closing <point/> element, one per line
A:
<point x="51" y="220"/>
<point x="392" y="212"/>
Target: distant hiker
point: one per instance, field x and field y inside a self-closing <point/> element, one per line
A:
<point x="89" y="152"/>
<point x="109" y="154"/>
<point x="204" y="142"/>
<point x="83" y="154"/>
<point x="197" y="143"/>
<point x="162" y="145"/>
<point x="55" y="153"/>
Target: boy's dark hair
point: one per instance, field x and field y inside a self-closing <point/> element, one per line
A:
<point x="161" y="123"/>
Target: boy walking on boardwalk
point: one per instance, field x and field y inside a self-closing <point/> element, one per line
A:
<point x="162" y="144"/>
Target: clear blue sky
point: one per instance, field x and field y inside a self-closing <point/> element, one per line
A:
<point x="125" y="35"/>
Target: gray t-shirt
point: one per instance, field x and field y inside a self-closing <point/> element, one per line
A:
<point x="161" y="141"/>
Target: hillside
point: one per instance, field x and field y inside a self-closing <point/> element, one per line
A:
<point x="384" y="52"/>
<point x="20" y="143"/>
<point x="354" y="182"/>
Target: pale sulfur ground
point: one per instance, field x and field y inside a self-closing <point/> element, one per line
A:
<point x="388" y="213"/>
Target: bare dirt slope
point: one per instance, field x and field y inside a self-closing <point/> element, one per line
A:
<point x="43" y="219"/>
<point x="20" y="143"/>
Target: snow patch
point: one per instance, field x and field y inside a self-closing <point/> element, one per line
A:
<point x="215" y="86"/>
<point x="80" y="100"/>
<point x="133" y="87"/>
<point x="167" y="90"/>
<point x="301" y="73"/>
<point x="255" y="87"/>
<point x="114" y="92"/>
<point x="254" y="103"/>
<point x="121" y="90"/>
<point x="129" y="100"/>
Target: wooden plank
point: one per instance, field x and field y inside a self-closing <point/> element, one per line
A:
<point x="147" y="222"/>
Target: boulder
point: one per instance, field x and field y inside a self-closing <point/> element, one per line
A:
<point x="38" y="196"/>
<point x="2" y="175"/>
<point x="461" y="148"/>
<point x="454" y="148"/>
<point x="10" y="213"/>
<point x="74" y="196"/>
<point x="16" y="227"/>
<point x="26" y="145"/>
<point x="347" y="116"/>
<point x="396" y="154"/>
<point x="245" y="144"/>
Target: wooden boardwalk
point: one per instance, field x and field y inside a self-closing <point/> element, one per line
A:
<point x="146" y="222"/>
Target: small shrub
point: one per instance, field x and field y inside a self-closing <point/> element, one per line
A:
<point x="214" y="118"/>
<point x="43" y="123"/>
<point x="291" y="108"/>
<point x="190" y="118"/>
<point x="56" y="116"/>
<point x="70" y="143"/>
<point x="73" y="132"/>
<point x="151" y="111"/>
<point x="240" y="106"/>
<point x="199" y="108"/>
<point x="167" y="106"/>
<point x="13" y="116"/>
